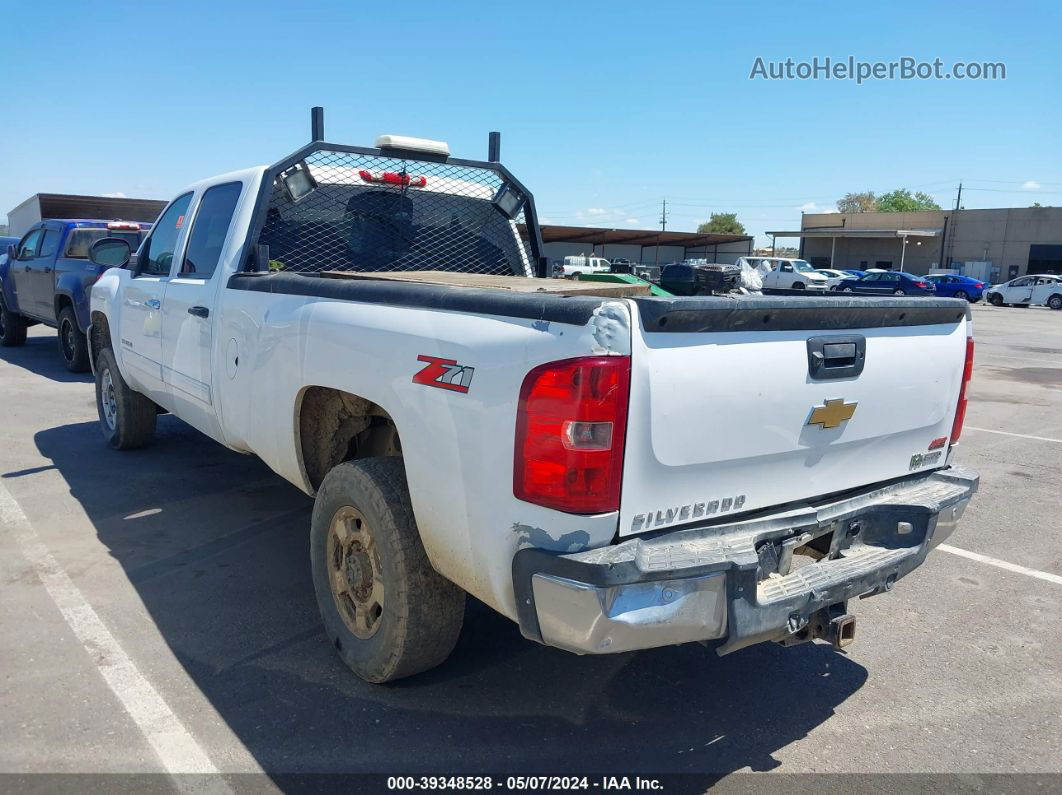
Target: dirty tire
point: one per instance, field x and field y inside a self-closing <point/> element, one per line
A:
<point x="127" y="418"/>
<point x="12" y="327"/>
<point x="73" y="345"/>
<point x="422" y="612"/>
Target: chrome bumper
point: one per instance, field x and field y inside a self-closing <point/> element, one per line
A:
<point x="716" y="582"/>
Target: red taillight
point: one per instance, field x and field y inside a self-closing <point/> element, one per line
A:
<point x="391" y="178"/>
<point x="570" y="426"/>
<point x="960" y="410"/>
<point x="925" y="285"/>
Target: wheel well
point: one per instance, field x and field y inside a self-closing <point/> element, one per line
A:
<point x="99" y="334"/>
<point x="336" y="426"/>
<point x="61" y="302"/>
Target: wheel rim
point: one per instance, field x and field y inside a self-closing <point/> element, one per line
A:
<point x="848" y="289"/>
<point x="108" y="402"/>
<point x="66" y="339"/>
<point x="1055" y="302"/>
<point x="354" y="572"/>
<point x="897" y="292"/>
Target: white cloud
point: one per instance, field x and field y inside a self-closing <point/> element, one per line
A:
<point x="809" y="207"/>
<point x="597" y="211"/>
<point x="1031" y="184"/>
<point x="115" y="195"/>
<point x="632" y="221"/>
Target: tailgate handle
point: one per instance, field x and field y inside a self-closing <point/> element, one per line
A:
<point x="840" y="356"/>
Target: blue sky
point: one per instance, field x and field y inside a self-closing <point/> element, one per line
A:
<point x="604" y="108"/>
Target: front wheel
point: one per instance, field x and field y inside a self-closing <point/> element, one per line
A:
<point x="798" y="285"/>
<point x="386" y="611"/>
<point x="995" y="299"/>
<point x="73" y="345"/>
<point x="1055" y="301"/>
<point x="12" y="327"/>
<point x="127" y="418"/>
<point x="847" y="290"/>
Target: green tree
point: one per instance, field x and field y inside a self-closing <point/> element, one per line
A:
<point x="902" y="200"/>
<point x="865" y="202"/>
<point x="722" y="224"/>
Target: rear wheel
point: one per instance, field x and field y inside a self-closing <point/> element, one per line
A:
<point x="386" y="611"/>
<point x="962" y="294"/>
<point x="127" y="418"/>
<point x="73" y="346"/>
<point x="898" y="292"/>
<point x="1055" y="301"/>
<point x="12" y="327"/>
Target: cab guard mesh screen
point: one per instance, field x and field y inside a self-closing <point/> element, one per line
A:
<point x="353" y="211"/>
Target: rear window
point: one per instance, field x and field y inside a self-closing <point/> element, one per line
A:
<point x="372" y="213"/>
<point x="80" y="241"/>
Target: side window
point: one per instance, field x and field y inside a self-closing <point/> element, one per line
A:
<point x="209" y="230"/>
<point x="27" y="249"/>
<point x="157" y="254"/>
<point x="1026" y="282"/>
<point x="786" y="268"/>
<point x="889" y="277"/>
<point x="49" y="243"/>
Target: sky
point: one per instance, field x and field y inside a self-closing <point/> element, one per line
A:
<point x="605" y="109"/>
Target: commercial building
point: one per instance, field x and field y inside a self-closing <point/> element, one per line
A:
<point x="646" y="246"/>
<point x="998" y="243"/>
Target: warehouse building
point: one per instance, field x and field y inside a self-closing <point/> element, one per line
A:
<point x="996" y="244"/>
<point x="645" y="246"/>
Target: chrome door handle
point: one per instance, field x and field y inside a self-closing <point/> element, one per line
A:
<point x="153" y="303"/>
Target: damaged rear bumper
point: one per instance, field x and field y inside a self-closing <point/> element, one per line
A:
<point x="733" y="581"/>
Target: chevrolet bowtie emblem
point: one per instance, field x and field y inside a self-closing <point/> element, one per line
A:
<point x="832" y="413"/>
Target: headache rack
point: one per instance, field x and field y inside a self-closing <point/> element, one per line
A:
<point x="329" y="207"/>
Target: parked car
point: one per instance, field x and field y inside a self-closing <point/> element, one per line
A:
<point x="834" y="277"/>
<point x="795" y="274"/>
<point x="584" y="264"/>
<point x="46" y="279"/>
<point x="952" y="285"/>
<point x="547" y="454"/>
<point x="1042" y="289"/>
<point x="855" y="272"/>
<point x="888" y="283"/>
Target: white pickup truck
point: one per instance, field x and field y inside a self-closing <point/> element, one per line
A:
<point x="610" y="473"/>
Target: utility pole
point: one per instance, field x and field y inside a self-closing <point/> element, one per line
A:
<point x="958" y="199"/>
<point x="663" y="228"/>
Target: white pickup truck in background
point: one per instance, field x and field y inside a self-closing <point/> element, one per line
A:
<point x="613" y="473"/>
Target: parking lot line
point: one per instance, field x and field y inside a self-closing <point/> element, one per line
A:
<point x="1008" y="433"/>
<point x="1002" y="564"/>
<point x="176" y="748"/>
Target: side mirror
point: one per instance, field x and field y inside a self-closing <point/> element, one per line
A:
<point x="110" y="252"/>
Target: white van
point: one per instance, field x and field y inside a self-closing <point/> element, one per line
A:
<point x="584" y="264"/>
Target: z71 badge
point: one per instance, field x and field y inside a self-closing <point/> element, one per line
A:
<point x="444" y="374"/>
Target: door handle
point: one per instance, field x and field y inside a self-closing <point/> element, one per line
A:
<point x="153" y="303"/>
<point x="199" y="311"/>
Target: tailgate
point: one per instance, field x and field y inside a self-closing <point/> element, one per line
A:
<point x="743" y="404"/>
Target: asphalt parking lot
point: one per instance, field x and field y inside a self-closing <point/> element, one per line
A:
<point x="194" y="561"/>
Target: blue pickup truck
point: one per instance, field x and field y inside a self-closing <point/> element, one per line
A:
<point x="46" y="276"/>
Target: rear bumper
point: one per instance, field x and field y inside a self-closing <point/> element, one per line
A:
<point x="715" y="582"/>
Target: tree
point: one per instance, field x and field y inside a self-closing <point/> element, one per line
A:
<point x="902" y="201"/>
<point x="864" y="202"/>
<point x="722" y="224"/>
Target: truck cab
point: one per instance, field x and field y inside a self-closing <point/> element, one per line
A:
<point x="47" y="277"/>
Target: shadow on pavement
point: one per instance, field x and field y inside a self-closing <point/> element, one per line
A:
<point x="40" y="355"/>
<point x="216" y="547"/>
